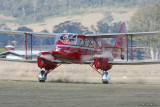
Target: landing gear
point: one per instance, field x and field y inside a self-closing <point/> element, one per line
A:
<point x="106" y="77"/>
<point x="42" y="76"/>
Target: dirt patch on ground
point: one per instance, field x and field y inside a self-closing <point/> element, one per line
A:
<point x="78" y="85"/>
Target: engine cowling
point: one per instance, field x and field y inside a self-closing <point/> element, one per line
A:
<point x="102" y="63"/>
<point x="42" y="63"/>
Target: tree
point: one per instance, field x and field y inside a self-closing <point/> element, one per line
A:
<point x="101" y="27"/>
<point x="70" y="27"/>
<point x="47" y="40"/>
<point x="21" y="38"/>
<point x="107" y="17"/>
<point x="115" y="27"/>
<point x="144" y="20"/>
<point x="5" y="38"/>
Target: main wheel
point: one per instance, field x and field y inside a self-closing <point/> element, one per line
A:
<point x="105" y="77"/>
<point x="42" y="76"/>
<point x="105" y="82"/>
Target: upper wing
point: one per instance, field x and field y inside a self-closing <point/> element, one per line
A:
<point x="134" y="62"/>
<point x="29" y="33"/>
<point x="118" y="35"/>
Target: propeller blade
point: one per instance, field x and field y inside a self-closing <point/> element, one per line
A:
<point x="106" y="54"/>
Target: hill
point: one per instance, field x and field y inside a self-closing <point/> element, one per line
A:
<point x="89" y="17"/>
<point x="47" y="13"/>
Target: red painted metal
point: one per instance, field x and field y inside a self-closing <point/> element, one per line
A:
<point x="74" y="53"/>
<point x="95" y="69"/>
<point x="131" y="48"/>
<point x="102" y="63"/>
<point x="127" y="47"/>
<point x="31" y="47"/>
<point x="43" y="63"/>
<point x="26" y="44"/>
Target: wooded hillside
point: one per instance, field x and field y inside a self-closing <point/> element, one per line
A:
<point x="37" y="10"/>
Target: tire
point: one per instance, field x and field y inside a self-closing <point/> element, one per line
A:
<point x="105" y="82"/>
<point x="42" y="76"/>
<point x="42" y="80"/>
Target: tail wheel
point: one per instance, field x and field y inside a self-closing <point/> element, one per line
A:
<point x="42" y="76"/>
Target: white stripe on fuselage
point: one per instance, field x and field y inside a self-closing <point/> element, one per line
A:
<point x="47" y="57"/>
<point x="81" y="47"/>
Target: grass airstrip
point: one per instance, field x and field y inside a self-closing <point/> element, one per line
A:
<point x="78" y="86"/>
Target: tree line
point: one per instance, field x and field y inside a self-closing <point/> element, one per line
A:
<point x="144" y="20"/>
<point x="65" y="27"/>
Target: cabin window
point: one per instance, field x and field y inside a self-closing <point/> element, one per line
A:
<point x="79" y="41"/>
<point x="73" y="39"/>
<point x="86" y="42"/>
<point x="99" y="42"/>
<point x="93" y="43"/>
<point x="70" y="38"/>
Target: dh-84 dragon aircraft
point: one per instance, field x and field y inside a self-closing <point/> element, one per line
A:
<point x="89" y="49"/>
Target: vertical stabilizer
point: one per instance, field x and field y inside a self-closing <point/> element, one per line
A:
<point x="120" y="42"/>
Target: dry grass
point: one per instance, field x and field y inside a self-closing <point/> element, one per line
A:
<point x="89" y="17"/>
<point x="82" y="73"/>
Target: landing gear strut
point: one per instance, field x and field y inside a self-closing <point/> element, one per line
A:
<point x="42" y="76"/>
<point x="106" y="77"/>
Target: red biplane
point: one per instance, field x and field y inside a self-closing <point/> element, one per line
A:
<point x="84" y="49"/>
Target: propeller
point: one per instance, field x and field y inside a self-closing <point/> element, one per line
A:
<point x="106" y="54"/>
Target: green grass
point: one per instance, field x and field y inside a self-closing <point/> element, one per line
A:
<point x="23" y="93"/>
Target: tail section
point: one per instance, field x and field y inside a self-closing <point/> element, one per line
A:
<point x="120" y="42"/>
<point x="123" y="28"/>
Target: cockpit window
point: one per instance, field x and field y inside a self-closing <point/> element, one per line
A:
<point x="69" y="39"/>
<point x="73" y="39"/>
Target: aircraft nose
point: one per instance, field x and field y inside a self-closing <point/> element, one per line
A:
<point x="56" y="49"/>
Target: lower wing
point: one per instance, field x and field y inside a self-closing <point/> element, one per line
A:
<point x="24" y="60"/>
<point x="19" y="60"/>
<point x="134" y="62"/>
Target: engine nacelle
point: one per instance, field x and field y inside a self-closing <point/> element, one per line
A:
<point x="42" y="63"/>
<point x="102" y="63"/>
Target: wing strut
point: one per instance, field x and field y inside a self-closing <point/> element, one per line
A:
<point x="131" y="48"/>
<point x="95" y="69"/>
<point x="31" y="46"/>
<point x="93" y="46"/>
<point x="127" y="47"/>
<point x="26" y="44"/>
